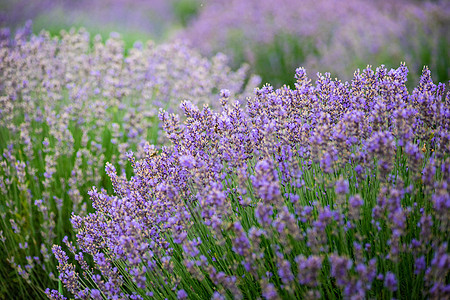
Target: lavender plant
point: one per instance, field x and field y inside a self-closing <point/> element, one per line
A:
<point x="325" y="35"/>
<point x="67" y="106"/>
<point x="328" y="190"/>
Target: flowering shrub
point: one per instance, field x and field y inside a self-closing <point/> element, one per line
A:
<point x="325" y="35"/>
<point x="332" y="190"/>
<point x="69" y="105"/>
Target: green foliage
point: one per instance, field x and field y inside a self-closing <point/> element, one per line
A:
<point x="186" y="10"/>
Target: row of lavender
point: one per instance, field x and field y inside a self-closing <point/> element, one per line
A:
<point x="134" y="18"/>
<point x="67" y="106"/>
<point x="328" y="190"/>
<point x="276" y="37"/>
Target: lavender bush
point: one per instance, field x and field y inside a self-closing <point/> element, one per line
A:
<point x="67" y="106"/>
<point x="325" y="35"/>
<point x="332" y="190"/>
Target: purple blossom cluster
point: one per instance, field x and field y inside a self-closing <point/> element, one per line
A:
<point x="326" y="35"/>
<point x="333" y="189"/>
<point x="68" y="106"/>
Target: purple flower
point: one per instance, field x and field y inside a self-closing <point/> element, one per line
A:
<point x="187" y="161"/>
<point x="284" y="271"/>
<point x="265" y="182"/>
<point x="241" y="244"/>
<point x="224" y="93"/>
<point x="339" y="268"/>
<point x="263" y="214"/>
<point x="181" y="294"/>
<point x="54" y="295"/>
<point x="308" y="269"/>
<point x="217" y="296"/>
<point x="268" y="291"/>
<point x="420" y="265"/>
<point x="95" y="294"/>
<point x="342" y="186"/>
<point x="356" y="201"/>
<point x="190" y="247"/>
<point x="390" y="281"/>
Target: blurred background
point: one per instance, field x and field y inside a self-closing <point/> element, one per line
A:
<point x="274" y="37"/>
<point x="135" y="20"/>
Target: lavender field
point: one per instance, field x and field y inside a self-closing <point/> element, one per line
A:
<point x="208" y="151"/>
